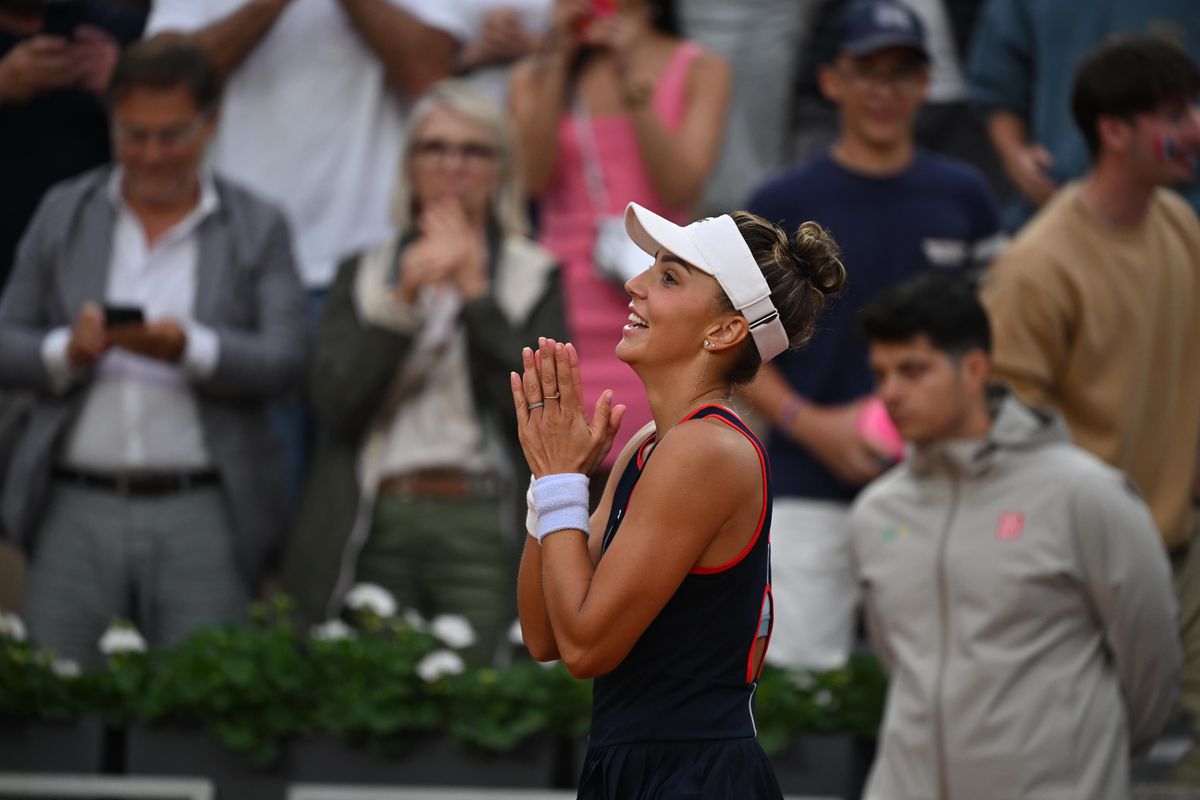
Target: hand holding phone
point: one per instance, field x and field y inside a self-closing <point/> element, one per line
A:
<point x="116" y="315"/>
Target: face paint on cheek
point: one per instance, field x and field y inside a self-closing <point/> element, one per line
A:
<point x="1167" y="149"/>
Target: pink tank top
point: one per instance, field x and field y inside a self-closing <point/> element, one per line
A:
<point x="598" y="309"/>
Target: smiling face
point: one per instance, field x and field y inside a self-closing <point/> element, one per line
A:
<point x="1162" y="145"/>
<point x="160" y="136"/>
<point x="454" y="158"/>
<point x="878" y="94"/>
<point x="673" y="308"/>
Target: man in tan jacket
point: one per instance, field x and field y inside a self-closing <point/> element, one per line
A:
<point x="1096" y="305"/>
<point x="1014" y="584"/>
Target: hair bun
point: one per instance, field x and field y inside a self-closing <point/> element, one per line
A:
<point x="822" y="263"/>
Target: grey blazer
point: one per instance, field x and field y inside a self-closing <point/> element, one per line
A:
<point x="247" y="290"/>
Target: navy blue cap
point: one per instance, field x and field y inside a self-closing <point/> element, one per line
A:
<point x="868" y="26"/>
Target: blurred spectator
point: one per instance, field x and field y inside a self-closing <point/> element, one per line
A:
<point x="418" y="483"/>
<point x="146" y="483"/>
<point x="502" y="32"/>
<point x="765" y="42"/>
<point x="1022" y="58"/>
<point x="948" y="123"/>
<point x="52" y="120"/>
<point x="1096" y="306"/>
<point x="897" y="210"/>
<point x="314" y="119"/>
<point x="1014" y="584"/>
<point x="616" y="108"/>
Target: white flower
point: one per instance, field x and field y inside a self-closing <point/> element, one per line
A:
<point x="12" y="627"/>
<point x="823" y="698"/>
<point x="65" y="668"/>
<point x="802" y="681"/>
<point x="515" y="637"/>
<point x="121" y="638"/>
<point x="331" y="630"/>
<point x="439" y="663"/>
<point x="454" y="630"/>
<point x="414" y="620"/>
<point x="373" y="598"/>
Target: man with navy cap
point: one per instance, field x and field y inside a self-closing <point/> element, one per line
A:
<point x="897" y="210"/>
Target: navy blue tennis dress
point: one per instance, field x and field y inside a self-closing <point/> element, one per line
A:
<point x="674" y="719"/>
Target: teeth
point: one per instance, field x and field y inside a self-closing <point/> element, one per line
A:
<point x="636" y="320"/>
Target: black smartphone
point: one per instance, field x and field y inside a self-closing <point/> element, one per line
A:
<point x="62" y="17"/>
<point x="122" y="315"/>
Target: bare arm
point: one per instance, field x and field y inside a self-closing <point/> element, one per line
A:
<point x="531" y="600"/>
<point x="415" y="55"/>
<point x="1026" y="163"/>
<point x="680" y="161"/>
<point x="538" y="102"/>
<point x="230" y="40"/>
<point x="598" y="611"/>
<point x="830" y="433"/>
<point x="538" y="95"/>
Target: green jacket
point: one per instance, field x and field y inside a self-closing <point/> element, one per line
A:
<point x="354" y="364"/>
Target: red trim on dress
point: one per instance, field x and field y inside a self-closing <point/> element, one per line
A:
<point x="641" y="451"/>
<point x="751" y="676"/>
<point x="762" y="514"/>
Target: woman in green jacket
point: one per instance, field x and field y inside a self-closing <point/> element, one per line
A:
<point x="417" y="476"/>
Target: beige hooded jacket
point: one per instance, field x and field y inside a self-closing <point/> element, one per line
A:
<point x="1019" y="596"/>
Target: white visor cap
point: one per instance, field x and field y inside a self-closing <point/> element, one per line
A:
<point x="715" y="245"/>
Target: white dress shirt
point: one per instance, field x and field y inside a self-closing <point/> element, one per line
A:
<point x="140" y="414"/>
<point x="310" y="121"/>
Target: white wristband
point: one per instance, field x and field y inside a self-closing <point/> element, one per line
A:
<point x="531" y="525"/>
<point x="562" y="503"/>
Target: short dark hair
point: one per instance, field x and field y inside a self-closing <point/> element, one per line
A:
<point x="1127" y="75"/>
<point x="164" y="63"/>
<point x="941" y="306"/>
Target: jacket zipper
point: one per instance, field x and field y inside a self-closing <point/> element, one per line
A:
<point x="944" y="601"/>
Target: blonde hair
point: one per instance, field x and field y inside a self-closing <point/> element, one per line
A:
<point x="508" y="199"/>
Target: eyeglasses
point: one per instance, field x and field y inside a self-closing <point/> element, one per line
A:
<point x="170" y="136"/>
<point x="471" y="153"/>
<point x="904" y="79"/>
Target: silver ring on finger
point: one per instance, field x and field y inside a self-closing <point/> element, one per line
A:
<point x="551" y="396"/>
<point x="532" y="406"/>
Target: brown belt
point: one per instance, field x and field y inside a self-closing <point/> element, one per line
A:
<point x="441" y="483"/>
<point x="134" y="484"/>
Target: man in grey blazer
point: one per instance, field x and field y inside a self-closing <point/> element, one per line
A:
<point x="155" y="310"/>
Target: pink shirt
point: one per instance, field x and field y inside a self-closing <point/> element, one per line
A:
<point x="597" y="309"/>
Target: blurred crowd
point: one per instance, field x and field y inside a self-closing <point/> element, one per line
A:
<point x="267" y="264"/>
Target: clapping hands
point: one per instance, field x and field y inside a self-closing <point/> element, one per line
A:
<point x="449" y="251"/>
<point x="555" y="434"/>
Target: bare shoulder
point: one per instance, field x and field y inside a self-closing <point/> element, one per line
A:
<point x="632" y="446"/>
<point x="711" y="453"/>
<point x="709" y="68"/>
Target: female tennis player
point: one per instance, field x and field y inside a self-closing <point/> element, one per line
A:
<point x="663" y="595"/>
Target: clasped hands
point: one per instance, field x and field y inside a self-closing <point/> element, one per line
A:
<point x="449" y="251"/>
<point x="555" y="433"/>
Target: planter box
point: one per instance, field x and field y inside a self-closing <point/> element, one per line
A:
<point x="431" y="761"/>
<point x="833" y="765"/>
<point x="37" y="746"/>
<point x="192" y="752"/>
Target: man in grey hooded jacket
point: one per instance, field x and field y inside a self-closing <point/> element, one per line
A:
<point x="1015" y="586"/>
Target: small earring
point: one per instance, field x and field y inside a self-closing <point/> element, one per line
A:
<point x="707" y="343"/>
